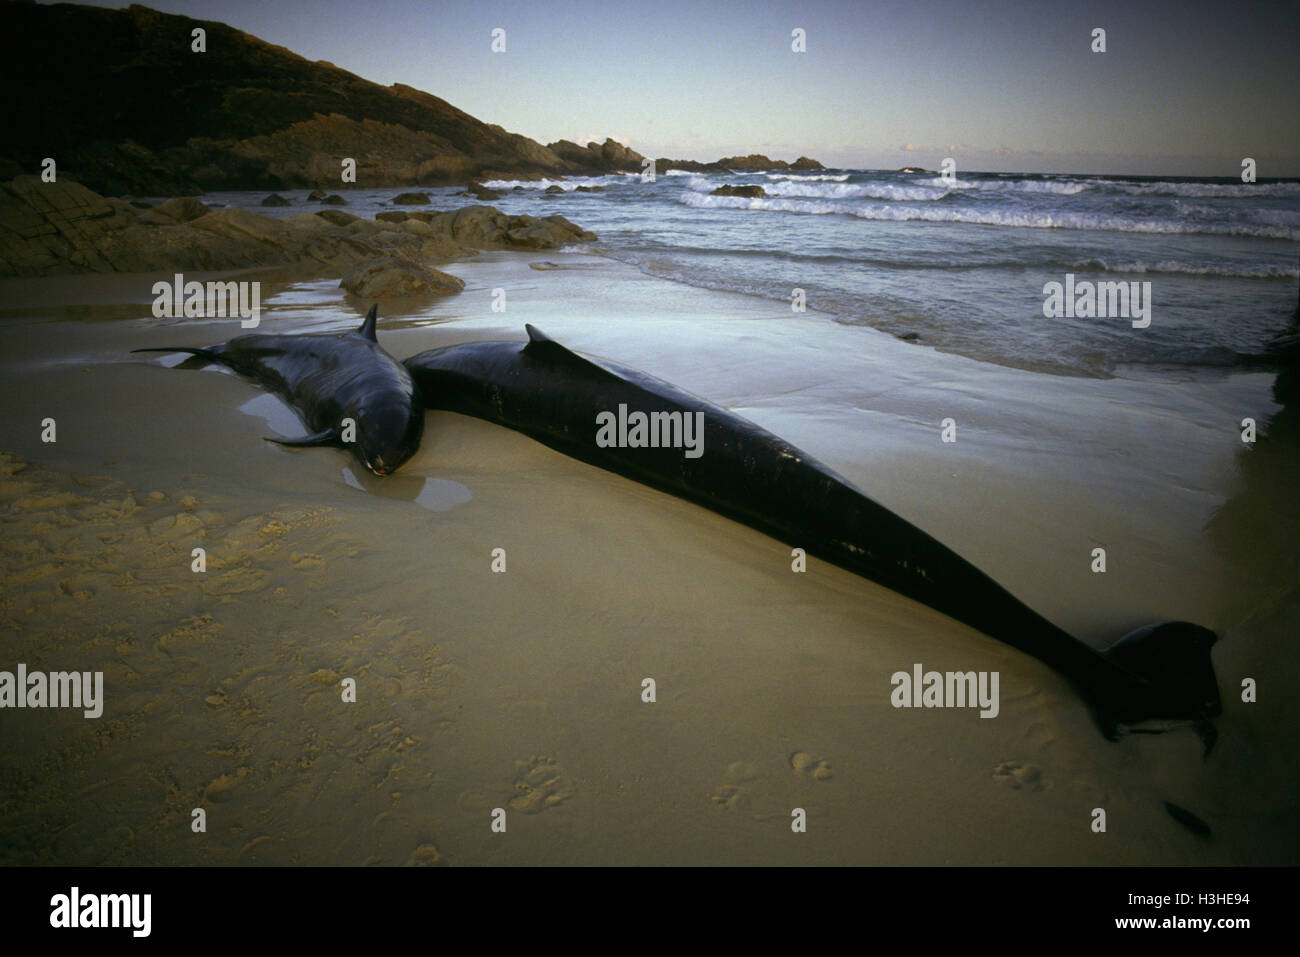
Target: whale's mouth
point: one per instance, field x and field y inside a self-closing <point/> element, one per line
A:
<point x="386" y="464"/>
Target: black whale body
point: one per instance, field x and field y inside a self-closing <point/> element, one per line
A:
<point x="1161" y="672"/>
<point x="328" y="378"/>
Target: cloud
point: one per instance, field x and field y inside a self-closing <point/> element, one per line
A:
<point x="956" y="149"/>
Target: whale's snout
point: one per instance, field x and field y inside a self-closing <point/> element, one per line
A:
<point x="386" y="461"/>
<point x="389" y="433"/>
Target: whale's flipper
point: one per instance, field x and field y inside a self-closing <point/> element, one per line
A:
<point x="1174" y="659"/>
<point x="1188" y="819"/>
<point x="367" y="330"/>
<point x="206" y="353"/>
<point x="541" y="346"/>
<point x="328" y="437"/>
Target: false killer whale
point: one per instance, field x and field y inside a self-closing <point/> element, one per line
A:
<point x="1159" y="674"/>
<point x="331" y="378"/>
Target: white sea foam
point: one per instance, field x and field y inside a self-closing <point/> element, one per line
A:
<point x="1204" y="190"/>
<point x="1281" y="218"/>
<point x="1057" y="187"/>
<point x="812" y="177"/>
<point x="1066" y="186"/>
<point x="568" y="185"/>
<point x="1218" y="270"/>
<point x="1030" y="219"/>
<point x="891" y="191"/>
<point x="938" y="182"/>
<point x="835" y="190"/>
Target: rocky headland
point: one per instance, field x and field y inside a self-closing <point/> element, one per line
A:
<point x="140" y="112"/>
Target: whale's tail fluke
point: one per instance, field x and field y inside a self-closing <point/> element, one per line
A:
<point x="1172" y="659"/>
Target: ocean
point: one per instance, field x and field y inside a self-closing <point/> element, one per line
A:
<point x="959" y="265"/>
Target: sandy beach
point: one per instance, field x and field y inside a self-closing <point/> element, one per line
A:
<point x="479" y="690"/>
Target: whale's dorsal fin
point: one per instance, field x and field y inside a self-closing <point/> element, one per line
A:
<point x="539" y="342"/>
<point x="367" y="330"/>
<point x="541" y="346"/>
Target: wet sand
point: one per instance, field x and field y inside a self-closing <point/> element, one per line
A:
<point x="522" y="690"/>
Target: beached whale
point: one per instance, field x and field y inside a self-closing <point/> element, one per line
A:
<point x="345" y="387"/>
<point x="627" y="422"/>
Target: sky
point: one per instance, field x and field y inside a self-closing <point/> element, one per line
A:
<point x="1183" y="88"/>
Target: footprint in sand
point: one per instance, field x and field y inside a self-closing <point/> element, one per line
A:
<point x="734" y="794"/>
<point x="426" y="855"/>
<point x="188" y="634"/>
<point x="1021" y="777"/>
<point x="541" y="784"/>
<point x="730" y="796"/>
<point x="810" y="766"/>
<point x="222" y="787"/>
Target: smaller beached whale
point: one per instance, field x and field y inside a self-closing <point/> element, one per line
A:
<point x="348" y="391"/>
